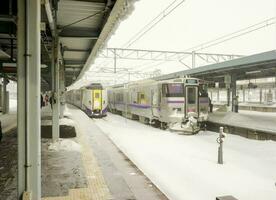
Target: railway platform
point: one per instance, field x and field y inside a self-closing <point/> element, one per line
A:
<point x="251" y="106"/>
<point x="250" y="124"/>
<point x="83" y="166"/>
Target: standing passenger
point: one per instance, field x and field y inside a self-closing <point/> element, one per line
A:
<point x="1" y="134"/>
<point x="210" y="105"/>
<point x="236" y="104"/>
<point x="41" y="101"/>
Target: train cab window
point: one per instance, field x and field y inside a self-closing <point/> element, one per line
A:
<point x="173" y="90"/>
<point x="97" y="95"/>
<point x="191" y="95"/>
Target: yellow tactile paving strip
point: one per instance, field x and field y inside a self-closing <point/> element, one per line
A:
<point x="97" y="188"/>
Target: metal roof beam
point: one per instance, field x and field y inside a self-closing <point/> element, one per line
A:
<point x="77" y="50"/>
<point x="8" y="18"/>
<point x="74" y="62"/>
<point x="84" y="33"/>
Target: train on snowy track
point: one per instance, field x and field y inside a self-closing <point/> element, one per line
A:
<point x="92" y="99"/>
<point x="180" y="104"/>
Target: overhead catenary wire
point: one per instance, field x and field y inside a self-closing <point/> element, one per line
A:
<point x="140" y="31"/>
<point x="168" y="10"/>
<point x="267" y="22"/>
<point x="148" y="26"/>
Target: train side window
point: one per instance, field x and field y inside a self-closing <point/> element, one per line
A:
<point x="141" y="98"/>
<point x="164" y="90"/>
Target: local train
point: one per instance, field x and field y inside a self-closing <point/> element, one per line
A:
<point x="91" y="99"/>
<point x="180" y="104"/>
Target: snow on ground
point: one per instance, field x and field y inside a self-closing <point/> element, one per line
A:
<point x="64" y="145"/>
<point x="62" y="121"/>
<point x="185" y="167"/>
<point x="13" y="105"/>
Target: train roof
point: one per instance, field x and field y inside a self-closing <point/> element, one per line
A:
<point x="94" y="86"/>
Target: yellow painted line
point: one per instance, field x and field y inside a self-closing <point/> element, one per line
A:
<point x="97" y="188"/>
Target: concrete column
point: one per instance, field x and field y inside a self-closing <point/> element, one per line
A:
<point x="4" y="93"/>
<point x="234" y="91"/>
<point x="261" y="95"/>
<point x="62" y="89"/>
<point x="243" y="95"/>
<point x="218" y="95"/>
<point x="28" y="111"/>
<point x="7" y="102"/>
<point x="1" y="90"/>
<point x="228" y="96"/>
<point x="55" y="91"/>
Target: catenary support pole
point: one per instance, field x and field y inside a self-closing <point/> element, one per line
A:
<point x="28" y="111"/>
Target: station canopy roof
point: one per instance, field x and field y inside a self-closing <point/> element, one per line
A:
<point x="83" y="27"/>
<point x="260" y="65"/>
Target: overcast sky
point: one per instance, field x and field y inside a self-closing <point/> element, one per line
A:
<point x="192" y="23"/>
<point x="198" y="21"/>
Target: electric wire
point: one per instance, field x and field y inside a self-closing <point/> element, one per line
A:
<point x="160" y="14"/>
<point x="153" y="25"/>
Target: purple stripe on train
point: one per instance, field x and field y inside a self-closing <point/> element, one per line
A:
<point x="134" y="105"/>
<point x="140" y="106"/>
<point x="176" y="101"/>
<point x="104" y="111"/>
<point x="88" y="111"/>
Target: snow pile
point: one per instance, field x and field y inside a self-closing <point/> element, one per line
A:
<point x="64" y="145"/>
<point x="63" y="121"/>
<point x="67" y="112"/>
<point x="185" y="167"/>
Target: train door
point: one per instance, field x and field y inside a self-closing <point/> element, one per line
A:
<point x="191" y="100"/>
<point x="104" y="99"/>
<point x="97" y="99"/>
<point x="155" y="105"/>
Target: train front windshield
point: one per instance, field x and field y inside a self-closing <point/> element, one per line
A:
<point x="191" y="96"/>
<point x="173" y="90"/>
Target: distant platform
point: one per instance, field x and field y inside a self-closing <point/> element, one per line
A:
<point x="251" y="124"/>
<point x="252" y="106"/>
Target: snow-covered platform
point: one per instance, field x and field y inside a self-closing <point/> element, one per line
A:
<point x="120" y="177"/>
<point x="252" y="124"/>
<point x="185" y="167"/>
<point x="258" y="107"/>
<point x="8" y="122"/>
<point x="252" y="106"/>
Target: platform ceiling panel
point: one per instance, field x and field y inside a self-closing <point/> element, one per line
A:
<point x="70" y="11"/>
<point x="80" y="24"/>
<point x="75" y="43"/>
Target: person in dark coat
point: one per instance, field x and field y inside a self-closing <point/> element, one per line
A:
<point x="210" y="105"/>
<point x="1" y="134"/>
<point x="41" y="101"/>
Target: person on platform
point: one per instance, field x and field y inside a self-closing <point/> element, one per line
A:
<point x="210" y="105"/>
<point x="41" y="101"/>
<point x="1" y="134"/>
<point x="236" y="104"/>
